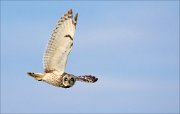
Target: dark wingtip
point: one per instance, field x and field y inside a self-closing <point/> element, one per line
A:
<point x="87" y="78"/>
<point x="94" y="79"/>
<point x="76" y="16"/>
<point x="70" y="11"/>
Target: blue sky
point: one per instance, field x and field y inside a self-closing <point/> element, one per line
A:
<point x="132" y="47"/>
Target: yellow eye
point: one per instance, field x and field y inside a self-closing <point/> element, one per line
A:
<point x="72" y="79"/>
<point x="65" y="79"/>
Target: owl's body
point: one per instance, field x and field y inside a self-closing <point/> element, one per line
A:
<point x="55" y="79"/>
<point x="56" y="54"/>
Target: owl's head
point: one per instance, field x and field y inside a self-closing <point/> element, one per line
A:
<point x="68" y="81"/>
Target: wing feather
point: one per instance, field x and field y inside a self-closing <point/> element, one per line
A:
<point x="60" y="44"/>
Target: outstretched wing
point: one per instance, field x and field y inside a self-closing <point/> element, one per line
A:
<point x="60" y="43"/>
<point x="87" y="78"/>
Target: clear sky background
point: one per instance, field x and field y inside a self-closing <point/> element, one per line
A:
<point x="132" y="47"/>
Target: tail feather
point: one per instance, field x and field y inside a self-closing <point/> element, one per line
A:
<point x="87" y="78"/>
<point x="37" y="76"/>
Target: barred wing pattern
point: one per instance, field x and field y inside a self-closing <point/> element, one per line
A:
<point x="60" y="43"/>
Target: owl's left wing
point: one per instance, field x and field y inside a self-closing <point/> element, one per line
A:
<point x="86" y="78"/>
<point x="60" y="43"/>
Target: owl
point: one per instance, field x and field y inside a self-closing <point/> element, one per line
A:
<point x="56" y="54"/>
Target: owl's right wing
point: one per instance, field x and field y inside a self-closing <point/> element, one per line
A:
<point x="60" y="44"/>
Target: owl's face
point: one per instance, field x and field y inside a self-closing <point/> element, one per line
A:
<point x="68" y="81"/>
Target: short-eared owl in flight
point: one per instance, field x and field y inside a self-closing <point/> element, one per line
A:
<point x="56" y="54"/>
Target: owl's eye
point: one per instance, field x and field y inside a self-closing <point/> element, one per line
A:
<point x="65" y="79"/>
<point x="72" y="79"/>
